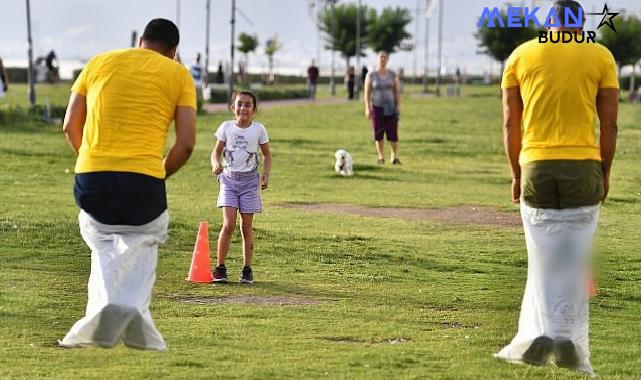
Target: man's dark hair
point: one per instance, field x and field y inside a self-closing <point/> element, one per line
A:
<point x="560" y="7"/>
<point x="160" y="30"/>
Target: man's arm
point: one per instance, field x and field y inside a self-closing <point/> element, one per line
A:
<point x="512" y="114"/>
<point x="74" y="122"/>
<point x="607" y="107"/>
<point x="185" y="121"/>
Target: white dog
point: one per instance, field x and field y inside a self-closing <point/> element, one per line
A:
<point x="344" y="164"/>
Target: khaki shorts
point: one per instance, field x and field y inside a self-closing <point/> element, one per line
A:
<point x="559" y="184"/>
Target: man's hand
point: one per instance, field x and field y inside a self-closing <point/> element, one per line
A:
<point x="607" y="106"/>
<point x="368" y="113"/>
<point x="217" y="169"/>
<point x="512" y="114"/>
<point x="516" y="190"/>
<point x="606" y="186"/>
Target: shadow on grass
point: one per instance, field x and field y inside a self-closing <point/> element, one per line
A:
<point x="300" y="142"/>
<point x="360" y="176"/>
<point x="622" y="200"/>
<point x="434" y="140"/>
<point x="367" y="168"/>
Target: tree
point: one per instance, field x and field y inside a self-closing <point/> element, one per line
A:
<point x="271" y="47"/>
<point x="625" y="43"/>
<point x="499" y="43"/>
<point x="387" y="31"/>
<point x="339" y="25"/>
<point x="247" y="44"/>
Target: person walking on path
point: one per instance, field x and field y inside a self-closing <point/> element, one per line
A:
<point x="382" y="106"/>
<point x="198" y="73"/>
<point x="4" y="80"/>
<point x="350" y="81"/>
<point x="312" y="79"/>
<point x="235" y="161"/>
<point x="560" y="177"/>
<point x="117" y="121"/>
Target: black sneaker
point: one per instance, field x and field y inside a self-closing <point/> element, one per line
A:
<point x="220" y="274"/>
<point x="246" y="276"/>
<point x="396" y="161"/>
<point x="381" y="161"/>
<point x="539" y="351"/>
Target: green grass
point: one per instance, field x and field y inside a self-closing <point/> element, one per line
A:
<point x="391" y="298"/>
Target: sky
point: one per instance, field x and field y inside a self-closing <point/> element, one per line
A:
<point x="78" y="29"/>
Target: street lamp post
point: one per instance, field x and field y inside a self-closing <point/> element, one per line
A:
<point x="418" y="30"/>
<point x="30" y="79"/>
<point x="440" y="47"/>
<point x="178" y="26"/>
<point x="429" y="9"/>
<point x="357" y="85"/>
<point x="318" y="32"/>
<point x="427" y="54"/>
<point x="332" y="80"/>
<point x="208" y="21"/>
<point x="230" y="89"/>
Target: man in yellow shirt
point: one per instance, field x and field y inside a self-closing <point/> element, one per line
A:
<point x="560" y="175"/>
<point x="117" y="122"/>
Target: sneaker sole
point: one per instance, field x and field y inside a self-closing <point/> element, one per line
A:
<point x="244" y="281"/>
<point x="220" y="281"/>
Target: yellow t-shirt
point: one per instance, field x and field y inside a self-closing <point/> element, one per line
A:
<point x="131" y="96"/>
<point x="559" y="84"/>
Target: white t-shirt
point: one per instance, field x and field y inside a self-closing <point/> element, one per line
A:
<point x="241" y="145"/>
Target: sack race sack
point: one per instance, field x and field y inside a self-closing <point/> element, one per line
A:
<point x="123" y="271"/>
<point x="553" y="324"/>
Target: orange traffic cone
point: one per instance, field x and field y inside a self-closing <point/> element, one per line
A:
<point x="200" y="270"/>
<point x="592" y="291"/>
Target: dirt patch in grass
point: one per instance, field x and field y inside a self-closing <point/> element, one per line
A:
<point x="247" y="300"/>
<point x="462" y="215"/>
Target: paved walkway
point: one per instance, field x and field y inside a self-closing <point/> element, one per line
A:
<point x="219" y="107"/>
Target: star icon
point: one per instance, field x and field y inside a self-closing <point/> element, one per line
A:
<point x="607" y="17"/>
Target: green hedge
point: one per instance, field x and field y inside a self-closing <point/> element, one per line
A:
<point x="220" y="96"/>
<point x="625" y="82"/>
<point x="38" y="112"/>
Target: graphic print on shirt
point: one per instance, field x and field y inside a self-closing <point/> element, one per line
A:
<point x="238" y="149"/>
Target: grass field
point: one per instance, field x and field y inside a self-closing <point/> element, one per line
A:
<point x="336" y="296"/>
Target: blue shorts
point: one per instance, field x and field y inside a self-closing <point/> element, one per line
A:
<point x="240" y="190"/>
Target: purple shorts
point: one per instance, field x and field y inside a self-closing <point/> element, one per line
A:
<point x="384" y="125"/>
<point x="240" y="190"/>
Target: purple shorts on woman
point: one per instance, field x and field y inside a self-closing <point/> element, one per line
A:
<point x="240" y="190"/>
<point x="384" y="125"/>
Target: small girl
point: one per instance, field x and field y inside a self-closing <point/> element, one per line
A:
<point x="238" y="142"/>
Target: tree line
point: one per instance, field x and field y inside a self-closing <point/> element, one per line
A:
<point x="338" y="22"/>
